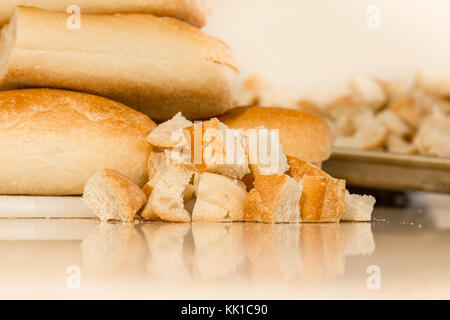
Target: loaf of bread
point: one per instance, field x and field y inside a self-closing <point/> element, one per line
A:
<point x="302" y="135"/>
<point x="53" y="141"/>
<point x="195" y="12"/>
<point x="159" y="66"/>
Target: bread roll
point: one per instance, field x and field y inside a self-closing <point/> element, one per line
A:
<point x="195" y="12"/>
<point x="53" y="141"/>
<point x="303" y="135"/>
<point x="159" y="66"/>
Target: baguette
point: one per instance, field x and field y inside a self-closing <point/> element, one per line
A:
<point x="53" y="141"/>
<point x="194" y="12"/>
<point x="112" y="196"/>
<point x="131" y="58"/>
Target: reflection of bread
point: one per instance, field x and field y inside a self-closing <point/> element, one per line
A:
<point x="53" y="141"/>
<point x="274" y="199"/>
<point x="166" y="244"/>
<point x="219" y="249"/>
<point x="112" y="196"/>
<point x="219" y="199"/>
<point x="166" y="199"/>
<point x="303" y="135"/>
<point x="113" y="248"/>
<point x="358" y="239"/>
<point x="165" y="135"/>
<point x="111" y="55"/>
<point x="194" y="12"/>
<point x="322" y="250"/>
<point x="358" y="208"/>
<point x="273" y="250"/>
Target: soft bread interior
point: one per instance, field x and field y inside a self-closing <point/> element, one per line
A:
<point x="288" y="208"/>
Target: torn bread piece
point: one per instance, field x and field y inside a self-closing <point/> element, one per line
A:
<point x="322" y="199"/>
<point x="369" y="90"/>
<point x="112" y="196"/>
<point x="357" y="207"/>
<point x="217" y="149"/>
<point x="219" y="199"/>
<point x="169" y="134"/>
<point x="166" y="199"/>
<point x="275" y="199"/>
<point x="265" y="152"/>
<point x="300" y="168"/>
<point x="157" y="164"/>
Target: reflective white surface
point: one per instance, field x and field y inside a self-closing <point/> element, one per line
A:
<point x="407" y="249"/>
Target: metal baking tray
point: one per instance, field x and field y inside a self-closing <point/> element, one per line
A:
<point x="389" y="171"/>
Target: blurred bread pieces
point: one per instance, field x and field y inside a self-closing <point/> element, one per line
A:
<point x="194" y="12"/>
<point x="112" y="56"/>
<point x="434" y="82"/>
<point x="433" y="137"/>
<point x="166" y="201"/>
<point x="371" y="114"/>
<point x="219" y="199"/>
<point x="393" y="123"/>
<point x="112" y="196"/>
<point x="358" y="208"/>
<point x="274" y="199"/>
<point x="369" y="90"/>
<point x="370" y="133"/>
<point x="170" y="133"/>
<point x="398" y="144"/>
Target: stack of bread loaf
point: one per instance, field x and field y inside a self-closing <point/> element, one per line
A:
<point x="60" y="134"/>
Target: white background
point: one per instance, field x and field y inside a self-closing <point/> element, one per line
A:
<point x="310" y="44"/>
